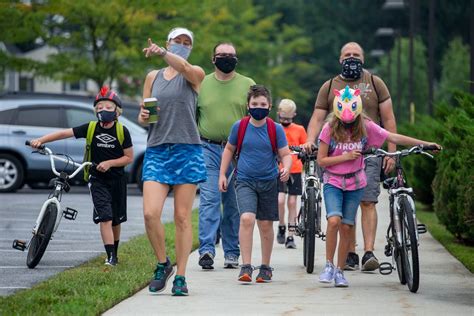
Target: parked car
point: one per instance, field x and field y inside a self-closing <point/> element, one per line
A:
<point x="28" y="116"/>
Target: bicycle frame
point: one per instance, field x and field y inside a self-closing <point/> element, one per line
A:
<point x="402" y="223"/>
<point x="59" y="186"/>
<point x="311" y="179"/>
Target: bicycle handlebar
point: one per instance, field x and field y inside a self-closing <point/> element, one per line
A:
<point x="43" y="150"/>
<point x="302" y="154"/>
<point x="27" y="143"/>
<point x="418" y="149"/>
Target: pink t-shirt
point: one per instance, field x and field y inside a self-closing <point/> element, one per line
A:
<point x="375" y="138"/>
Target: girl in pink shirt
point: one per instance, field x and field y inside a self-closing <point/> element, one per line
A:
<point x="341" y="141"/>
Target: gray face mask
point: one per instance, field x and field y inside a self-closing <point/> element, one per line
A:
<point x="180" y="50"/>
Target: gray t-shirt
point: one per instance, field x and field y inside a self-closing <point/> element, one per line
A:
<point x="256" y="159"/>
<point x="177" y="101"/>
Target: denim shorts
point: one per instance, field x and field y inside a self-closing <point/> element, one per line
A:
<point x="372" y="170"/>
<point x="342" y="203"/>
<point x="259" y="197"/>
<point x="174" y="164"/>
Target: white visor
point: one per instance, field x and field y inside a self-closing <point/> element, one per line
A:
<point x="180" y="31"/>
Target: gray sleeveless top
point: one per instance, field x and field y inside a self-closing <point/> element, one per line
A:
<point x="177" y="101"/>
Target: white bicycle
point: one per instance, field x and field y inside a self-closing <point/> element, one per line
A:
<point x="48" y="221"/>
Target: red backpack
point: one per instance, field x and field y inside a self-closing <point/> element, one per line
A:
<point x="271" y="129"/>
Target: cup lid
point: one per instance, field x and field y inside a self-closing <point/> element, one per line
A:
<point x="150" y="100"/>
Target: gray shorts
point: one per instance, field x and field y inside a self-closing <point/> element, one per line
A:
<point x="372" y="170"/>
<point x="259" y="197"/>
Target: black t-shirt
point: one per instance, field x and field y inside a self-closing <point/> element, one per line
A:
<point x="105" y="146"/>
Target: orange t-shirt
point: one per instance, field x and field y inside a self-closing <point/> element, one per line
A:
<point x="295" y="135"/>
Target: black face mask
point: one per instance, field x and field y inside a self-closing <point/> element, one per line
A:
<point x="285" y="124"/>
<point x="351" y="68"/>
<point x="225" y="64"/>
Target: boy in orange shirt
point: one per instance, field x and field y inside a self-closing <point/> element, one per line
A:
<point x="295" y="135"/>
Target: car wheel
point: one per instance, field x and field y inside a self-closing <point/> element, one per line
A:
<point x="11" y="173"/>
<point x="138" y="177"/>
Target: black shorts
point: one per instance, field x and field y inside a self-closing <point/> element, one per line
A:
<point x="293" y="186"/>
<point x="110" y="199"/>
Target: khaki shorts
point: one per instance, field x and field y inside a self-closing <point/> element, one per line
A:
<point x="372" y="170"/>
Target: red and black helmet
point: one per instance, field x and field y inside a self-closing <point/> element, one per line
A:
<point x="106" y="93"/>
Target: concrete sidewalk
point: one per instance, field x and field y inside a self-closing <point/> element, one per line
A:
<point x="446" y="286"/>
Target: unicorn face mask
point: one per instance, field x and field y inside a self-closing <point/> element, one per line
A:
<point x="347" y="104"/>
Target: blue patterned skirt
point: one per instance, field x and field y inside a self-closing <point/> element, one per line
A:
<point x="174" y="164"/>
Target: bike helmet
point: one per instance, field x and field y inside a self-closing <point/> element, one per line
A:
<point x="106" y="93"/>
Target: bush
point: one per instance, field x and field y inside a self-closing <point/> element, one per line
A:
<point x="454" y="181"/>
<point x="420" y="170"/>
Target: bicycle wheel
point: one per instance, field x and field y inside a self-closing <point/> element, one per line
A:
<point x="396" y="252"/>
<point x="310" y="230"/>
<point x="303" y="211"/>
<point x="40" y="241"/>
<point x="409" y="248"/>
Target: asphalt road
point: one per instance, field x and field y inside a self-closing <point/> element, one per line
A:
<point x="74" y="242"/>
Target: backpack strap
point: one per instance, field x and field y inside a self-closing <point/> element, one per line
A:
<point x="271" y="129"/>
<point x="375" y="88"/>
<point x="120" y="133"/>
<point x="87" y="152"/>
<point x="329" y="90"/>
<point x="241" y="134"/>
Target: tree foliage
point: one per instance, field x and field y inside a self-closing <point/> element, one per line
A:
<point x="455" y="70"/>
<point x="402" y="102"/>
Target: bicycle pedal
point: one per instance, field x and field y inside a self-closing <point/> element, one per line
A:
<point x="70" y="213"/>
<point x="388" y="251"/>
<point x="386" y="268"/>
<point x="421" y="228"/>
<point x="322" y="236"/>
<point x="19" y="245"/>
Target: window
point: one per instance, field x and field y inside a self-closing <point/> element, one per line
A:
<point x="76" y="117"/>
<point x="6" y="116"/>
<point x="27" y="84"/>
<point x="44" y="117"/>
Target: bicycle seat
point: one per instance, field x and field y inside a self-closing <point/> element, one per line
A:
<point x="389" y="182"/>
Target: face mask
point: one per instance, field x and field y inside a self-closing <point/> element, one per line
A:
<point x="351" y="68"/>
<point x="180" y="50"/>
<point x="106" y="116"/>
<point x="259" y="113"/>
<point x="285" y="124"/>
<point x="225" y="64"/>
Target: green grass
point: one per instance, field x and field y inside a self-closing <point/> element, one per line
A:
<point x="93" y="288"/>
<point x="465" y="254"/>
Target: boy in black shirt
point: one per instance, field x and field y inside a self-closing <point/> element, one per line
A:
<point x="111" y="150"/>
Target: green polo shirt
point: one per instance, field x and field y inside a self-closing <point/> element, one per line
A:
<point x="221" y="104"/>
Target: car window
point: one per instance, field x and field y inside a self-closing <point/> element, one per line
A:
<point x="6" y="116"/>
<point x="77" y="117"/>
<point x="45" y="117"/>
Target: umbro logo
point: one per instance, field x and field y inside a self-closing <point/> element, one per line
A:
<point x="105" y="138"/>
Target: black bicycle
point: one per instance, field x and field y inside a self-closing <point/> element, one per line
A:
<point x="403" y="231"/>
<point x="47" y="222"/>
<point x="308" y="221"/>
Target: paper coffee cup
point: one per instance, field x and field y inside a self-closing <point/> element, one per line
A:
<point x="151" y="105"/>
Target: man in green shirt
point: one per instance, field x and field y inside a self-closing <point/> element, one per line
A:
<point x="221" y="102"/>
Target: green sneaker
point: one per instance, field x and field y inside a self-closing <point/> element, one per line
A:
<point x="161" y="275"/>
<point x="180" y="287"/>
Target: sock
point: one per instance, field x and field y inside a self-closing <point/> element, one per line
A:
<point x="110" y="250"/>
<point x="116" y="244"/>
<point x="165" y="263"/>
